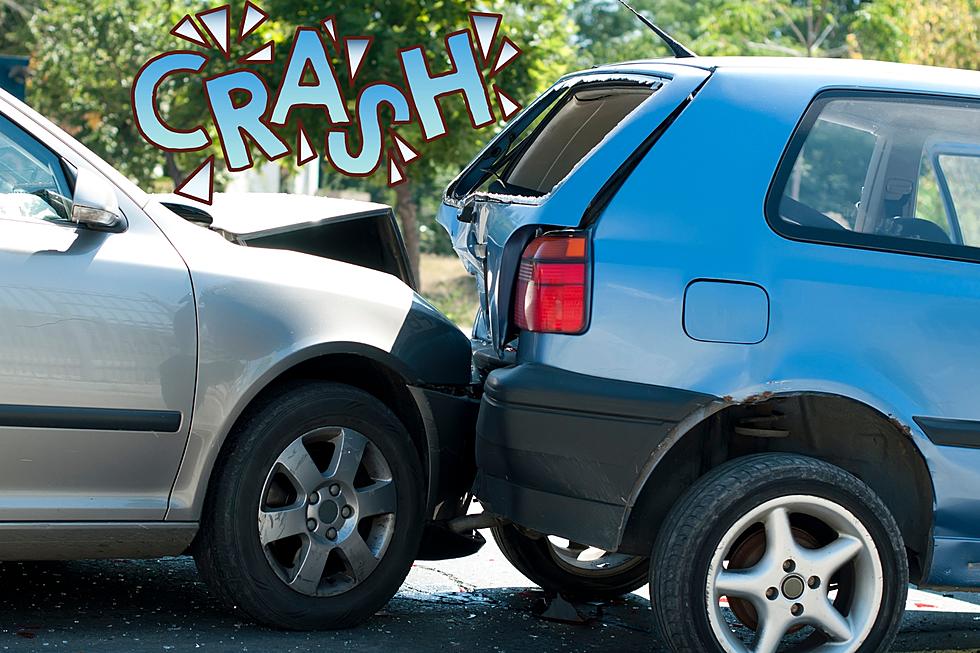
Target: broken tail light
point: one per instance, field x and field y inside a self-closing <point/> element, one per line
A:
<point x="553" y="284"/>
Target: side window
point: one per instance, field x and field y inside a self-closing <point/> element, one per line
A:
<point x="33" y="185"/>
<point x="830" y="172"/>
<point x="961" y="178"/>
<point x="928" y="198"/>
<point x="869" y="170"/>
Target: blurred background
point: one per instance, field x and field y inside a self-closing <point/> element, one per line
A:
<point x="74" y="61"/>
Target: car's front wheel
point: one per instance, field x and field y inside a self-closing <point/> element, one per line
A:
<point x="773" y="549"/>
<point x="315" y="515"/>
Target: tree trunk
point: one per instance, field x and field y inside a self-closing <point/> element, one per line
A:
<point x="286" y="174"/>
<point x="173" y="171"/>
<point x="407" y="209"/>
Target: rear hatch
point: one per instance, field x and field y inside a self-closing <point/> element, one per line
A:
<point x="554" y="167"/>
<point x="352" y="231"/>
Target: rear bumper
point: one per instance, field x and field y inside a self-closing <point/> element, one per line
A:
<point x="955" y="564"/>
<point x="560" y="453"/>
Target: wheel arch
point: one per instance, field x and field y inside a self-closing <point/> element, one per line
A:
<point x="368" y="368"/>
<point x="877" y="448"/>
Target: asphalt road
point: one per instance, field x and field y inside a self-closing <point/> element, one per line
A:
<point x="476" y="604"/>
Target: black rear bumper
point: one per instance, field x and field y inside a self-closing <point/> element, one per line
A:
<point x="560" y="452"/>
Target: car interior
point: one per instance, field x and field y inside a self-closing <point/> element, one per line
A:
<point x="33" y="184"/>
<point x="569" y="125"/>
<point x="893" y="168"/>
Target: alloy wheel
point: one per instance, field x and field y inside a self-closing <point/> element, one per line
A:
<point x="327" y="511"/>
<point x="589" y="561"/>
<point x="816" y="569"/>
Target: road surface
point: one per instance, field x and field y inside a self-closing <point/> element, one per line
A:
<point x="476" y="604"/>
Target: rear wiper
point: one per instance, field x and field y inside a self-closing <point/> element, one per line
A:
<point x="679" y="50"/>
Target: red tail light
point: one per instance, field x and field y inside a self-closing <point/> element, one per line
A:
<point x="553" y="284"/>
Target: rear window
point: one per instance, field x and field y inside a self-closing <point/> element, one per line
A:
<point x="562" y="129"/>
<point x="884" y="171"/>
<point x="572" y="129"/>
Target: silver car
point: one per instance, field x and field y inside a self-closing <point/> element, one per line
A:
<point x="298" y="423"/>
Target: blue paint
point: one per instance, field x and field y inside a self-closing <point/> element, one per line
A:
<point x="726" y="311"/>
<point x="899" y="333"/>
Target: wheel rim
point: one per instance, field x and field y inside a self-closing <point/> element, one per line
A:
<point x="327" y="511"/>
<point x="819" y="568"/>
<point x="589" y="561"/>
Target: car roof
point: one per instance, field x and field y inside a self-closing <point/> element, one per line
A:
<point x="824" y="72"/>
<point x="261" y="214"/>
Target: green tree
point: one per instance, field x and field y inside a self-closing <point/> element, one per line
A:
<point x="810" y="28"/>
<point x="796" y="28"/>
<point x="609" y="33"/>
<point x="14" y="35"/>
<point x="542" y="29"/>
<point x="85" y="56"/>
<point x="932" y="32"/>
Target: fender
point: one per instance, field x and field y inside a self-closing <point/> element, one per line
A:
<point x="428" y="351"/>
<point x="921" y="445"/>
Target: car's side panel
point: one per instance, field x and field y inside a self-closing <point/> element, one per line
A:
<point x="259" y="312"/>
<point x="262" y="312"/>
<point x="73" y="540"/>
<point x="899" y="333"/>
<point x="97" y="366"/>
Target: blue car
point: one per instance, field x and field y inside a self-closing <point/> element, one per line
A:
<point x="730" y="334"/>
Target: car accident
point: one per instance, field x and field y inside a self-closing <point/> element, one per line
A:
<point x="725" y="345"/>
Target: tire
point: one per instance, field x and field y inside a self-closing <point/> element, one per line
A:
<point x="555" y="568"/>
<point x="774" y="518"/>
<point x="367" y="510"/>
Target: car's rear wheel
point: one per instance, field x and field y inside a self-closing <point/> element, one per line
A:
<point x="315" y="515"/>
<point x="568" y="568"/>
<point x="778" y="549"/>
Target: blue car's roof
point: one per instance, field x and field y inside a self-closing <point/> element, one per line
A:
<point x="823" y="72"/>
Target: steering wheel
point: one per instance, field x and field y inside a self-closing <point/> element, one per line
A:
<point x="803" y="215"/>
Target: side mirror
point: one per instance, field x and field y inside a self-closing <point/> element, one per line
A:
<point x="95" y="205"/>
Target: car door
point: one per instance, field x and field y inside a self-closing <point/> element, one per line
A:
<point x="97" y="352"/>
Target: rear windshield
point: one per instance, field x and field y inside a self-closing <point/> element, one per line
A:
<point x="567" y="126"/>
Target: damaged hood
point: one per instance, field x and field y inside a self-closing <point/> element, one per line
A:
<point x="352" y="231"/>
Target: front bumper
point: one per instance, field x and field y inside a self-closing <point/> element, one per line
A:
<point x="449" y="421"/>
<point x="561" y="453"/>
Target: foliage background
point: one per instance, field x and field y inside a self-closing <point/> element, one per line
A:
<point x="84" y="55"/>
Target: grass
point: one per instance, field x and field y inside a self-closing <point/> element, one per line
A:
<point x="450" y="289"/>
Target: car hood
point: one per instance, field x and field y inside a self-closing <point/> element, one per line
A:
<point x="353" y="231"/>
<point x="260" y="306"/>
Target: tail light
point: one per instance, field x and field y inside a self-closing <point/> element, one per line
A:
<point x="553" y="284"/>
